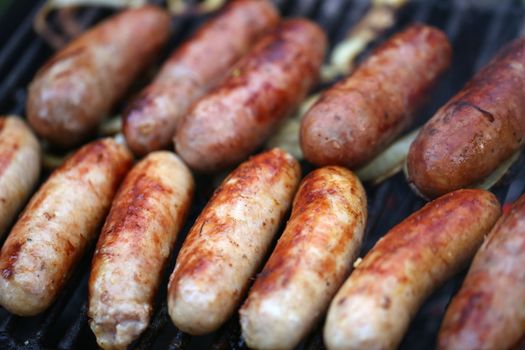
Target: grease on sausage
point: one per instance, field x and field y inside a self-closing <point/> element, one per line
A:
<point x="196" y="67"/>
<point x="374" y="307"/>
<point x="228" y="241"/>
<point x="479" y="128"/>
<point x="310" y="262"/>
<point x="228" y="124"/>
<point x="489" y="310"/>
<point x="136" y="241"/>
<point x="55" y="228"/>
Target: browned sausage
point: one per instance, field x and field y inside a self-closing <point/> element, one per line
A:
<point x="489" y="310"/>
<point x="59" y="222"/>
<point x="358" y="117"/>
<point x="20" y="162"/>
<point x="479" y="128"/>
<point x="227" y="125"/>
<point x="78" y="86"/>
<point x="228" y="241"/>
<point x="374" y="307"/>
<point x="135" y="243"/>
<point x="311" y="260"/>
<point x="196" y="67"/>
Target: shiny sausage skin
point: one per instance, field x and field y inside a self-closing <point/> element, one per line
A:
<point x="310" y="262"/>
<point x="77" y="87"/>
<point x="224" y="127"/>
<point x="489" y="310"/>
<point x="195" y="68"/>
<point x="374" y="307"/>
<point x="57" y="225"/>
<point x="136" y="241"/>
<point x="358" y="117"/>
<point x="20" y="163"/>
<point x="478" y="129"/>
<point x="228" y="241"/>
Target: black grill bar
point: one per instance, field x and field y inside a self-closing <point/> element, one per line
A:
<point x="70" y="338"/>
<point x="476" y="31"/>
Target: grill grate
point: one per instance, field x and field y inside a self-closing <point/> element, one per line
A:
<point x="477" y="30"/>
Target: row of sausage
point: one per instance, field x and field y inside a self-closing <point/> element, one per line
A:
<point x="225" y="91"/>
<point x="304" y="276"/>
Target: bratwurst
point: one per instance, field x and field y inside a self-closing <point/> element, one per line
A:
<point x="196" y="67"/>
<point x="224" y="127"/>
<point x="479" y="128"/>
<point x="309" y="263"/>
<point x="374" y="307"/>
<point x="78" y="86"/>
<point x="136" y="241"/>
<point x="57" y="225"/>
<point x="20" y="162"/>
<point x="488" y="313"/>
<point x="228" y="241"/>
<point x="358" y="117"/>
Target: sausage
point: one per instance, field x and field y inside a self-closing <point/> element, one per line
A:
<point x="479" y="128"/>
<point x="357" y="118"/>
<point x="487" y="313"/>
<point x="78" y="86"/>
<point x="310" y="262"/>
<point x="136" y="241"/>
<point x="57" y="225"/>
<point x="374" y="307"/>
<point x="20" y="162"/>
<point x="196" y="67"/>
<point x="228" y="241"/>
<point x="225" y="126"/>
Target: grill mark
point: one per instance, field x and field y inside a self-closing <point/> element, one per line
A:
<point x="12" y="252"/>
<point x="486" y="114"/>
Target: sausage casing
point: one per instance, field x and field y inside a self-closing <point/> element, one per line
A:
<point x="20" y="162"/>
<point x="136" y="241"/>
<point x="228" y="241"/>
<point x="374" y="307"/>
<point x="479" y="128"/>
<point x="225" y="126"/>
<point x="358" y="117"/>
<point x="489" y="310"/>
<point x="152" y="118"/>
<point x="59" y="222"/>
<point x="78" y="86"/>
<point x="310" y="262"/>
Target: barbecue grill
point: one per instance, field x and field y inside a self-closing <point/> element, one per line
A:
<point x="477" y="29"/>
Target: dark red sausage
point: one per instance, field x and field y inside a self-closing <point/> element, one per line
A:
<point x="358" y="117"/>
<point x="193" y="69"/>
<point x="478" y="129"/>
<point x="488" y="311"/>
<point x="224" y="127"/>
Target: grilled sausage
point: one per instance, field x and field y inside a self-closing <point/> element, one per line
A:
<point x="228" y="241"/>
<point x="311" y="260"/>
<point x="374" y="307"/>
<point x="134" y="246"/>
<point x="77" y="87"/>
<point x="20" y="160"/>
<point x="57" y="225"/>
<point x="478" y="129"/>
<point x="227" y="125"/>
<point x="357" y="118"/>
<point x="152" y="118"/>
<point x="489" y="310"/>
